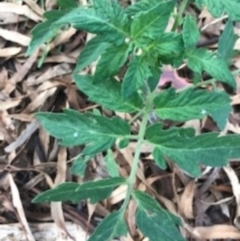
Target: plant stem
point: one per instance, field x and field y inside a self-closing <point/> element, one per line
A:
<point x="143" y="126"/>
<point x="135" y="117"/>
<point x="180" y="13"/>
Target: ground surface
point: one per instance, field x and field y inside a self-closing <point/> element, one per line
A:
<point x="31" y="161"/>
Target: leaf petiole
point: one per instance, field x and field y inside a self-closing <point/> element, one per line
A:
<point x="135" y="117"/>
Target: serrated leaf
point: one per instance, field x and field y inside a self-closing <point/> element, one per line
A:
<point x="153" y="22"/>
<point x="111" y="165"/>
<point x="74" y="192"/>
<point x="98" y="133"/>
<point x="226" y="42"/>
<point x="79" y="165"/>
<point x="111" y="29"/>
<point x="138" y="72"/>
<point x="168" y="44"/>
<point x="111" y="227"/>
<point x="188" y="104"/>
<point x="114" y="57"/>
<point x="113" y="11"/>
<point x="166" y="48"/>
<point x="218" y="8"/>
<point x="140" y="6"/>
<point x="189" y="151"/>
<point x="190" y="31"/>
<point x="41" y="34"/>
<point x="94" y="48"/>
<point x="90" y="21"/>
<point x="154" y="221"/>
<point x="221" y="115"/>
<point x="67" y="4"/>
<point x="200" y="59"/>
<point x="111" y="97"/>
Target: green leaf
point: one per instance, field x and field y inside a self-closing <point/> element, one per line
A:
<point x="67" y="4"/>
<point x="94" y="48"/>
<point x="154" y="221"/>
<point x="114" y="12"/>
<point x="112" y="29"/>
<point x="189" y="151"/>
<point x="110" y="97"/>
<point x="154" y="79"/>
<point x="159" y="158"/>
<point x="79" y="165"/>
<point x="123" y="143"/>
<point x="190" y="31"/>
<point x="90" y="21"/>
<point x="63" y="192"/>
<point x="218" y="8"/>
<point x="153" y="22"/>
<point x="226" y="42"/>
<point x="200" y="59"/>
<point x="221" y="115"/>
<point x="111" y="164"/>
<point x="98" y="133"/>
<point x="41" y="34"/>
<point x="111" y="227"/>
<point x="74" y="192"/>
<point x="137" y="73"/>
<point x="111" y="61"/>
<point x="168" y="44"/>
<point x="141" y="6"/>
<point x="189" y="104"/>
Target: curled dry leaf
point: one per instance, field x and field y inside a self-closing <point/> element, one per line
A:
<point x="9" y="18"/>
<point x="40" y="100"/>
<point x="24" y="136"/>
<point x="132" y="208"/>
<point x="56" y="207"/>
<point x="19" y="10"/>
<point x="236" y="192"/>
<point x="19" y="75"/>
<point x="170" y="75"/>
<point x="186" y="201"/>
<point x="17" y="203"/>
<point x="15" y="37"/>
<point x="34" y="6"/>
<point x="118" y="194"/>
<point x="8" y="104"/>
<point x="63" y="38"/>
<point x="57" y="70"/>
<point x="41" y="231"/>
<point x="9" y="52"/>
<point x="215" y="232"/>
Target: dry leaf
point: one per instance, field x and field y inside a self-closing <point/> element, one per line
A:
<point x="17" y="203"/>
<point x="15" y="37"/>
<point x="9" y="52"/>
<point x="19" y="10"/>
<point x="186" y="201"/>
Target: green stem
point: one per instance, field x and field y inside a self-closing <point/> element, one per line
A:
<point x="180" y="13"/>
<point x="135" y="117"/>
<point x="132" y="176"/>
<point x="131" y="137"/>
